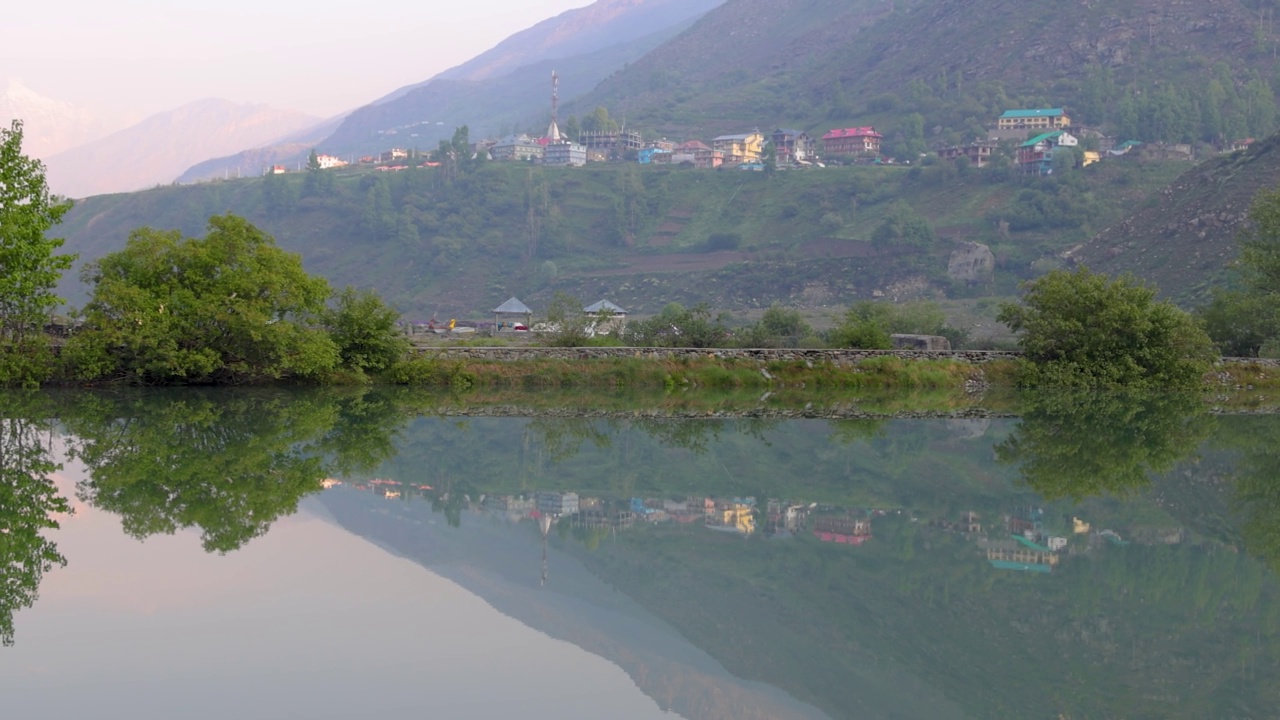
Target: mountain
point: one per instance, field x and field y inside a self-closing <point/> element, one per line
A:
<point x="288" y="150"/>
<point x="817" y="64"/>
<point x="161" y="147"/>
<point x="49" y="126"/>
<point x="1185" y="237"/>
<point x="509" y="87"/>
<point x="580" y="32"/>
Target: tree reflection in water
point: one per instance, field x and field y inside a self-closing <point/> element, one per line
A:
<point x="29" y="503"/>
<point x="1078" y="444"/>
<point x="229" y="464"/>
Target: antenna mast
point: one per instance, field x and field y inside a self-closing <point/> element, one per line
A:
<point x="553" y="132"/>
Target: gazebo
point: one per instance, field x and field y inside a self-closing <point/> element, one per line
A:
<point x="512" y="311"/>
<point x="606" y="315"/>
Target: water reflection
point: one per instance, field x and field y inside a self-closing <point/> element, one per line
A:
<point x="1083" y="561"/>
<point x="1079" y="444"/>
<point x="29" y="505"/>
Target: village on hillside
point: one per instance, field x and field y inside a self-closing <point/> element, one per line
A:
<point x="1024" y="139"/>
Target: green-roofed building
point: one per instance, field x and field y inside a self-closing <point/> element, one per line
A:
<point x="1035" y="156"/>
<point x="1034" y="119"/>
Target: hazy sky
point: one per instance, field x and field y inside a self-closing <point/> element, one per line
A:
<point x="137" y="57"/>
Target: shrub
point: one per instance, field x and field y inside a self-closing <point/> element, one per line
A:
<point x="1085" y="329"/>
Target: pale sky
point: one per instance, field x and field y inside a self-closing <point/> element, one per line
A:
<point x="132" y="58"/>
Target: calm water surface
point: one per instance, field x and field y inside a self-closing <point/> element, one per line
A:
<point x="268" y="555"/>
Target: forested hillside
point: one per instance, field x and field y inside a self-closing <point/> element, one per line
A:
<point x="459" y="240"/>
<point x="936" y="71"/>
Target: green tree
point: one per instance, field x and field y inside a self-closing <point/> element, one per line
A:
<point x="599" y="121"/>
<point x="1247" y="321"/>
<point x="318" y="181"/>
<point x="572" y="129"/>
<point x="1085" y="329"/>
<point x="572" y="327"/>
<point x="378" y="218"/>
<point x="778" y="327"/>
<point x="277" y="193"/>
<point x="677" y="326"/>
<point x="30" y="266"/>
<point x="865" y="326"/>
<point x="227" y="308"/>
<point x="365" y="331"/>
<point x="904" y="226"/>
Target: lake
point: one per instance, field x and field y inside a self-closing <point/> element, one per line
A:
<point x="368" y="554"/>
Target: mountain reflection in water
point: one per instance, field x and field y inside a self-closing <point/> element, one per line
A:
<point x="1103" y="556"/>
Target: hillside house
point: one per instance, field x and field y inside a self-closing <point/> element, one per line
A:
<point x="393" y="154"/>
<point x="330" y="161"/>
<point x="852" y="141"/>
<point x="611" y="143"/>
<point x="698" y="154"/>
<point x="979" y="153"/>
<point x="662" y="145"/>
<point x="564" y="153"/>
<point x="842" y="530"/>
<point x="516" y="148"/>
<point x="790" y="146"/>
<point x="1035" y="156"/>
<point x="1033" y="119"/>
<point x="740" y="149"/>
<point x="653" y="156"/>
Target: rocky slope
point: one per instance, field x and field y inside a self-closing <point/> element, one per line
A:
<point x="1184" y="240"/>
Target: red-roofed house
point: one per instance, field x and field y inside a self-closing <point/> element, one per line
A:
<point x="852" y="141"/>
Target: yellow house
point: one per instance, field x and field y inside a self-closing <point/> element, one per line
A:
<point x="738" y="517"/>
<point x="739" y="149"/>
<point x="1091" y="157"/>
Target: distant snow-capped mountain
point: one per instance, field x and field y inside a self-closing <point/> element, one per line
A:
<point x="49" y="126"/>
<point x="158" y="149"/>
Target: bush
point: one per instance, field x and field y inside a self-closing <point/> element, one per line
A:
<point x="1085" y="329"/>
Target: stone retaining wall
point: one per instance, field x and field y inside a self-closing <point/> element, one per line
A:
<point x="761" y="356"/>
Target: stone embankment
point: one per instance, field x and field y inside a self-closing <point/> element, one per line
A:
<point x="761" y="356"/>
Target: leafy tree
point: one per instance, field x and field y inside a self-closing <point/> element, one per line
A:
<point x="904" y="226"/>
<point x="1085" y="329"/>
<point x="365" y="331"/>
<point x="778" y="327"/>
<point x="29" y="264"/>
<point x="865" y="326"/>
<point x="1078" y="443"/>
<point x="227" y="308"/>
<point x="379" y="219"/>
<point x="677" y="326"/>
<point x="318" y="181"/>
<point x="599" y="121"/>
<point x="572" y="327"/>
<point x="278" y="195"/>
<point x="1244" y="322"/>
<point x="572" y="129"/>
<point x="29" y="502"/>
